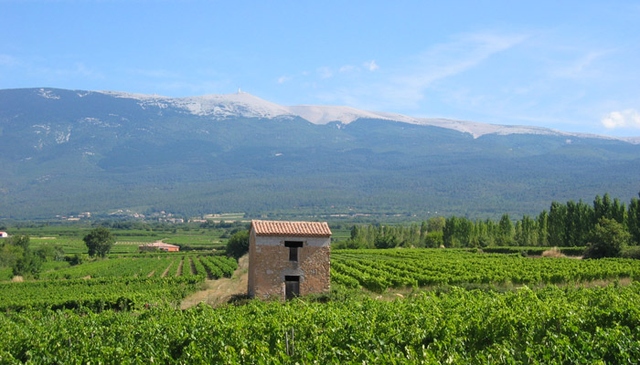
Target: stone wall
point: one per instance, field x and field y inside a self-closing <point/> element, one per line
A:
<point x="269" y="264"/>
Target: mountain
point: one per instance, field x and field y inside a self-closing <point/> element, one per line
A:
<point x="63" y="152"/>
<point x="248" y="106"/>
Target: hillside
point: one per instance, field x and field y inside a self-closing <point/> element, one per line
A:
<point x="64" y="152"/>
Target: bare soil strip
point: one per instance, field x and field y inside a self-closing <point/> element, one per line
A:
<point x="166" y="271"/>
<point x="180" y="267"/>
<point x="218" y="292"/>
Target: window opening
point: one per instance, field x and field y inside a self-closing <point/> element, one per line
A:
<point x="293" y="249"/>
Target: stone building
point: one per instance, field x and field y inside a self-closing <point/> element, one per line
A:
<point x="287" y="259"/>
<point x="159" y="246"/>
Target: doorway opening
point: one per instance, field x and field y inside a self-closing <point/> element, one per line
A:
<point x="292" y="286"/>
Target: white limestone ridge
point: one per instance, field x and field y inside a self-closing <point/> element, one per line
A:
<point x="217" y="106"/>
<point x="222" y="106"/>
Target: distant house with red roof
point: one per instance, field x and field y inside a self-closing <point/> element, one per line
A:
<point x="159" y="246"/>
<point x="287" y="259"/>
<point x="4" y="234"/>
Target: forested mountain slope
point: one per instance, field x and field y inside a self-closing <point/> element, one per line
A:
<point x="64" y="151"/>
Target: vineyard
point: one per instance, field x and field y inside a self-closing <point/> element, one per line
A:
<point x="117" y="283"/>
<point x="378" y="270"/>
<point x="418" y="306"/>
<point x="211" y="267"/>
<point x="95" y="295"/>
<point x="550" y="326"/>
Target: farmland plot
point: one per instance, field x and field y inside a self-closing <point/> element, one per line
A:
<point x="378" y="270"/>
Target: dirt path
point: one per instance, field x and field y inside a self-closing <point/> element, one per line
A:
<point x="180" y="267"/>
<point x="219" y="291"/>
<point x="166" y="271"/>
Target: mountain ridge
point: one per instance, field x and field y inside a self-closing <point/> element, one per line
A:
<point x="65" y="151"/>
<point x="209" y="105"/>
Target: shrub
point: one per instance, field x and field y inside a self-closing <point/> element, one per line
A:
<point x="607" y="239"/>
<point x="631" y="252"/>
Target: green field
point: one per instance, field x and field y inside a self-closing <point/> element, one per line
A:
<point x="109" y="283"/>
<point x="129" y="235"/>
<point x="549" y="325"/>
<point x="379" y="270"/>
<point x="397" y="306"/>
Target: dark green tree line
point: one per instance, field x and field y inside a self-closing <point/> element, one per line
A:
<point x="571" y="224"/>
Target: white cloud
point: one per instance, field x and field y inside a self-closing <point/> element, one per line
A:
<point x="582" y="66"/>
<point x="404" y="85"/>
<point x="449" y="59"/>
<point x="629" y="118"/>
<point x="283" y="79"/>
<point x="371" y="65"/>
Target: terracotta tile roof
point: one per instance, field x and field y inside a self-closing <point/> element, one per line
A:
<point x="284" y="228"/>
<point x="159" y="244"/>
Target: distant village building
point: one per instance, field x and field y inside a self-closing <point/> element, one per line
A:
<point x="159" y="246"/>
<point x="4" y="235"/>
<point x="287" y="259"/>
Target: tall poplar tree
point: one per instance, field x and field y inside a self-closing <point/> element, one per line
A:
<point x="556" y="224"/>
<point x="543" y="228"/>
<point x="506" y="231"/>
<point x="633" y="220"/>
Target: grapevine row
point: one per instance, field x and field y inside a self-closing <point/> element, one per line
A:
<point x="549" y="325"/>
<point x="381" y="269"/>
<point x="95" y="294"/>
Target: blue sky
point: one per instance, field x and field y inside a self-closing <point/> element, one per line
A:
<point x="567" y="65"/>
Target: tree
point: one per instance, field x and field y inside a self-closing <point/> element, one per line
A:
<point x="433" y="239"/>
<point x="526" y="232"/>
<point x="10" y="254"/>
<point x="435" y="224"/>
<point x="633" y="220"/>
<point x="50" y="253"/>
<point x="457" y="232"/>
<point x="483" y="233"/>
<point x="578" y="223"/>
<point x="423" y="231"/>
<point x="357" y="238"/>
<point x="238" y="244"/>
<point x="20" y="241"/>
<point x="99" y="241"/>
<point x="556" y="224"/>
<point x="386" y="237"/>
<point x="506" y="231"/>
<point x="28" y="264"/>
<point x="604" y="207"/>
<point x="607" y="239"/>
<point x="22" y="260"/>
<point x="543" y="228"/>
